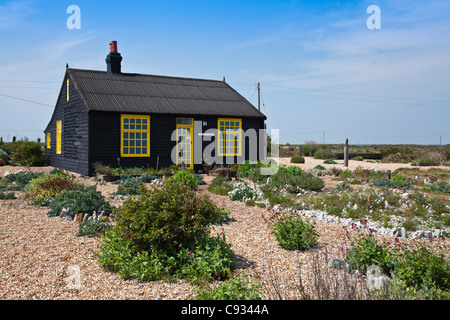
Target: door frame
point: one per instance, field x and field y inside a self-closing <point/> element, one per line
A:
<point x="185" y="126"/>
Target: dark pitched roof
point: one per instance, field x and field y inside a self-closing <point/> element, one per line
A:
<point x="138" y="93"/>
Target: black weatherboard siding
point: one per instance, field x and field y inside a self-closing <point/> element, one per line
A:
<point x="75" y="132"/>
<point x="91" y="119"/>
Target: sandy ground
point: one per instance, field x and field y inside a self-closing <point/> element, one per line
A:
<point x="41" y="258"/>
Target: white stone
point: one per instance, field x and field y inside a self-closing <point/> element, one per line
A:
<point x="403" y="231"/>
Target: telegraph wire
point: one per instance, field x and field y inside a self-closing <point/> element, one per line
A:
<point x="360" y="100"/>
<point x="26" y="100"/>
<point x="360" y="95"/>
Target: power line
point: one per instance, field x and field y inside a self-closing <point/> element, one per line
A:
<point x="32" y="81"/>
<point x="357" y="94"/>
<point x="31" y="101"/>
<point x="360" y="100"/>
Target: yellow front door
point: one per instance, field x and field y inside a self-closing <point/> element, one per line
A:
<point x="185" y="143"/>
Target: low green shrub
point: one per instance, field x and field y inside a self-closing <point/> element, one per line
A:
<point x="240" y="192"/>
<point x="330" y="161"/>
<point x="345" y="174"/>
<point x="292" y="179"/>
<point x="422" y="267"/>
<point x="236" y="288"/>
<point x="292" y="233"/>
<point x="44" y="188"/>
<point x="162" y="216"/>
<point x="323" y="154"/>
<point x="187" y="178"/>
<point x="7" y="196"/>
<point x="357" y="158"/>
<point x="417" y="268"/>
<point x="297" y="159"/>
<point x="20" y="178"/>
<point x="442" y="186"/>
<point x="223" y="217"/>
<point x="28" y="153"/>
<point x="164" y="235"/>
<point x="220" y="185"/>
<point x="244" y="168"/>
<point x="82" y="200"/>
<point x="207" y="258"/>
<point x="310" y="150"/>
<point x="427" y="162"/>
<point x="129" y="186"/>
<point x="91" y="228"/>
<point x="366" y="252"/>
<point x="386" y="183"/>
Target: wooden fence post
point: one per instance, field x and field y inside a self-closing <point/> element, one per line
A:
<point x="300" y="150"/>
<point x="346" y="153"/>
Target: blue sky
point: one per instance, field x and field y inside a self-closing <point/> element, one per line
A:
<point x="324" y="75"/>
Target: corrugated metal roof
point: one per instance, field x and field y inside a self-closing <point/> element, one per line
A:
<point x="138" y="93"/>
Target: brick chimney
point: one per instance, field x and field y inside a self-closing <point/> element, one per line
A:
<point x="113" y="59"/>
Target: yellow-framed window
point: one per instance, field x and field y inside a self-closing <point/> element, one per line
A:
<point x="230" y="137"/>
<point x="67" y="89"/>
<point x="135" y="135"/>
<point x="48" y="141"/>
<point x="58" y="136"/>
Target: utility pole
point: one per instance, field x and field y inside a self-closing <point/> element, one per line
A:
<point x="259" y="97"/>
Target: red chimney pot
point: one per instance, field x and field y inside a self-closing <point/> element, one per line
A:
<point x="113" y="46"/>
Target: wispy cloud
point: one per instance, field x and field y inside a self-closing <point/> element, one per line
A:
<point x="12" y="13"/>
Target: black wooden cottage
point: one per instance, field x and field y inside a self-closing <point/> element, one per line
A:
<point x="137" y="120"/>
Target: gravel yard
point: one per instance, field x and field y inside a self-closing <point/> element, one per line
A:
<point x="40" y="256"/>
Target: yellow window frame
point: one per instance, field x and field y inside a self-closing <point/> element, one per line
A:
<point x="58" y="136"/>
<point x="229" y="137"/>
<point x="181" y="124"/>
<point x="67" y="89"/>
<point x="134" y="135"/>
<point x="48" y="140"/>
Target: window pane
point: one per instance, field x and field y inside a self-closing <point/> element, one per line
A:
<point x="144" y="143"/>
<point x="138" y="127"/>
<point x="131" y="150"/>
<point x="125" y="150"/>
<point x="144" y="127"/>
<point x="131" y="143"/>
<point x="144" y="135"/>
<point x="131" y="135"/>
<point x="125" y="143"/>
<point x="126" y="120"/>
<point x="138" y="135"/>
<point x="144" y="150"/>
<point x="138" y="143"/>
<point x="125" y="135"/>
<point x="132" y="121"/>
<point x="126" y="126"/>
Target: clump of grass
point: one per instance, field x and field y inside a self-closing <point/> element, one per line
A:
<point x="297" y="159"/>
